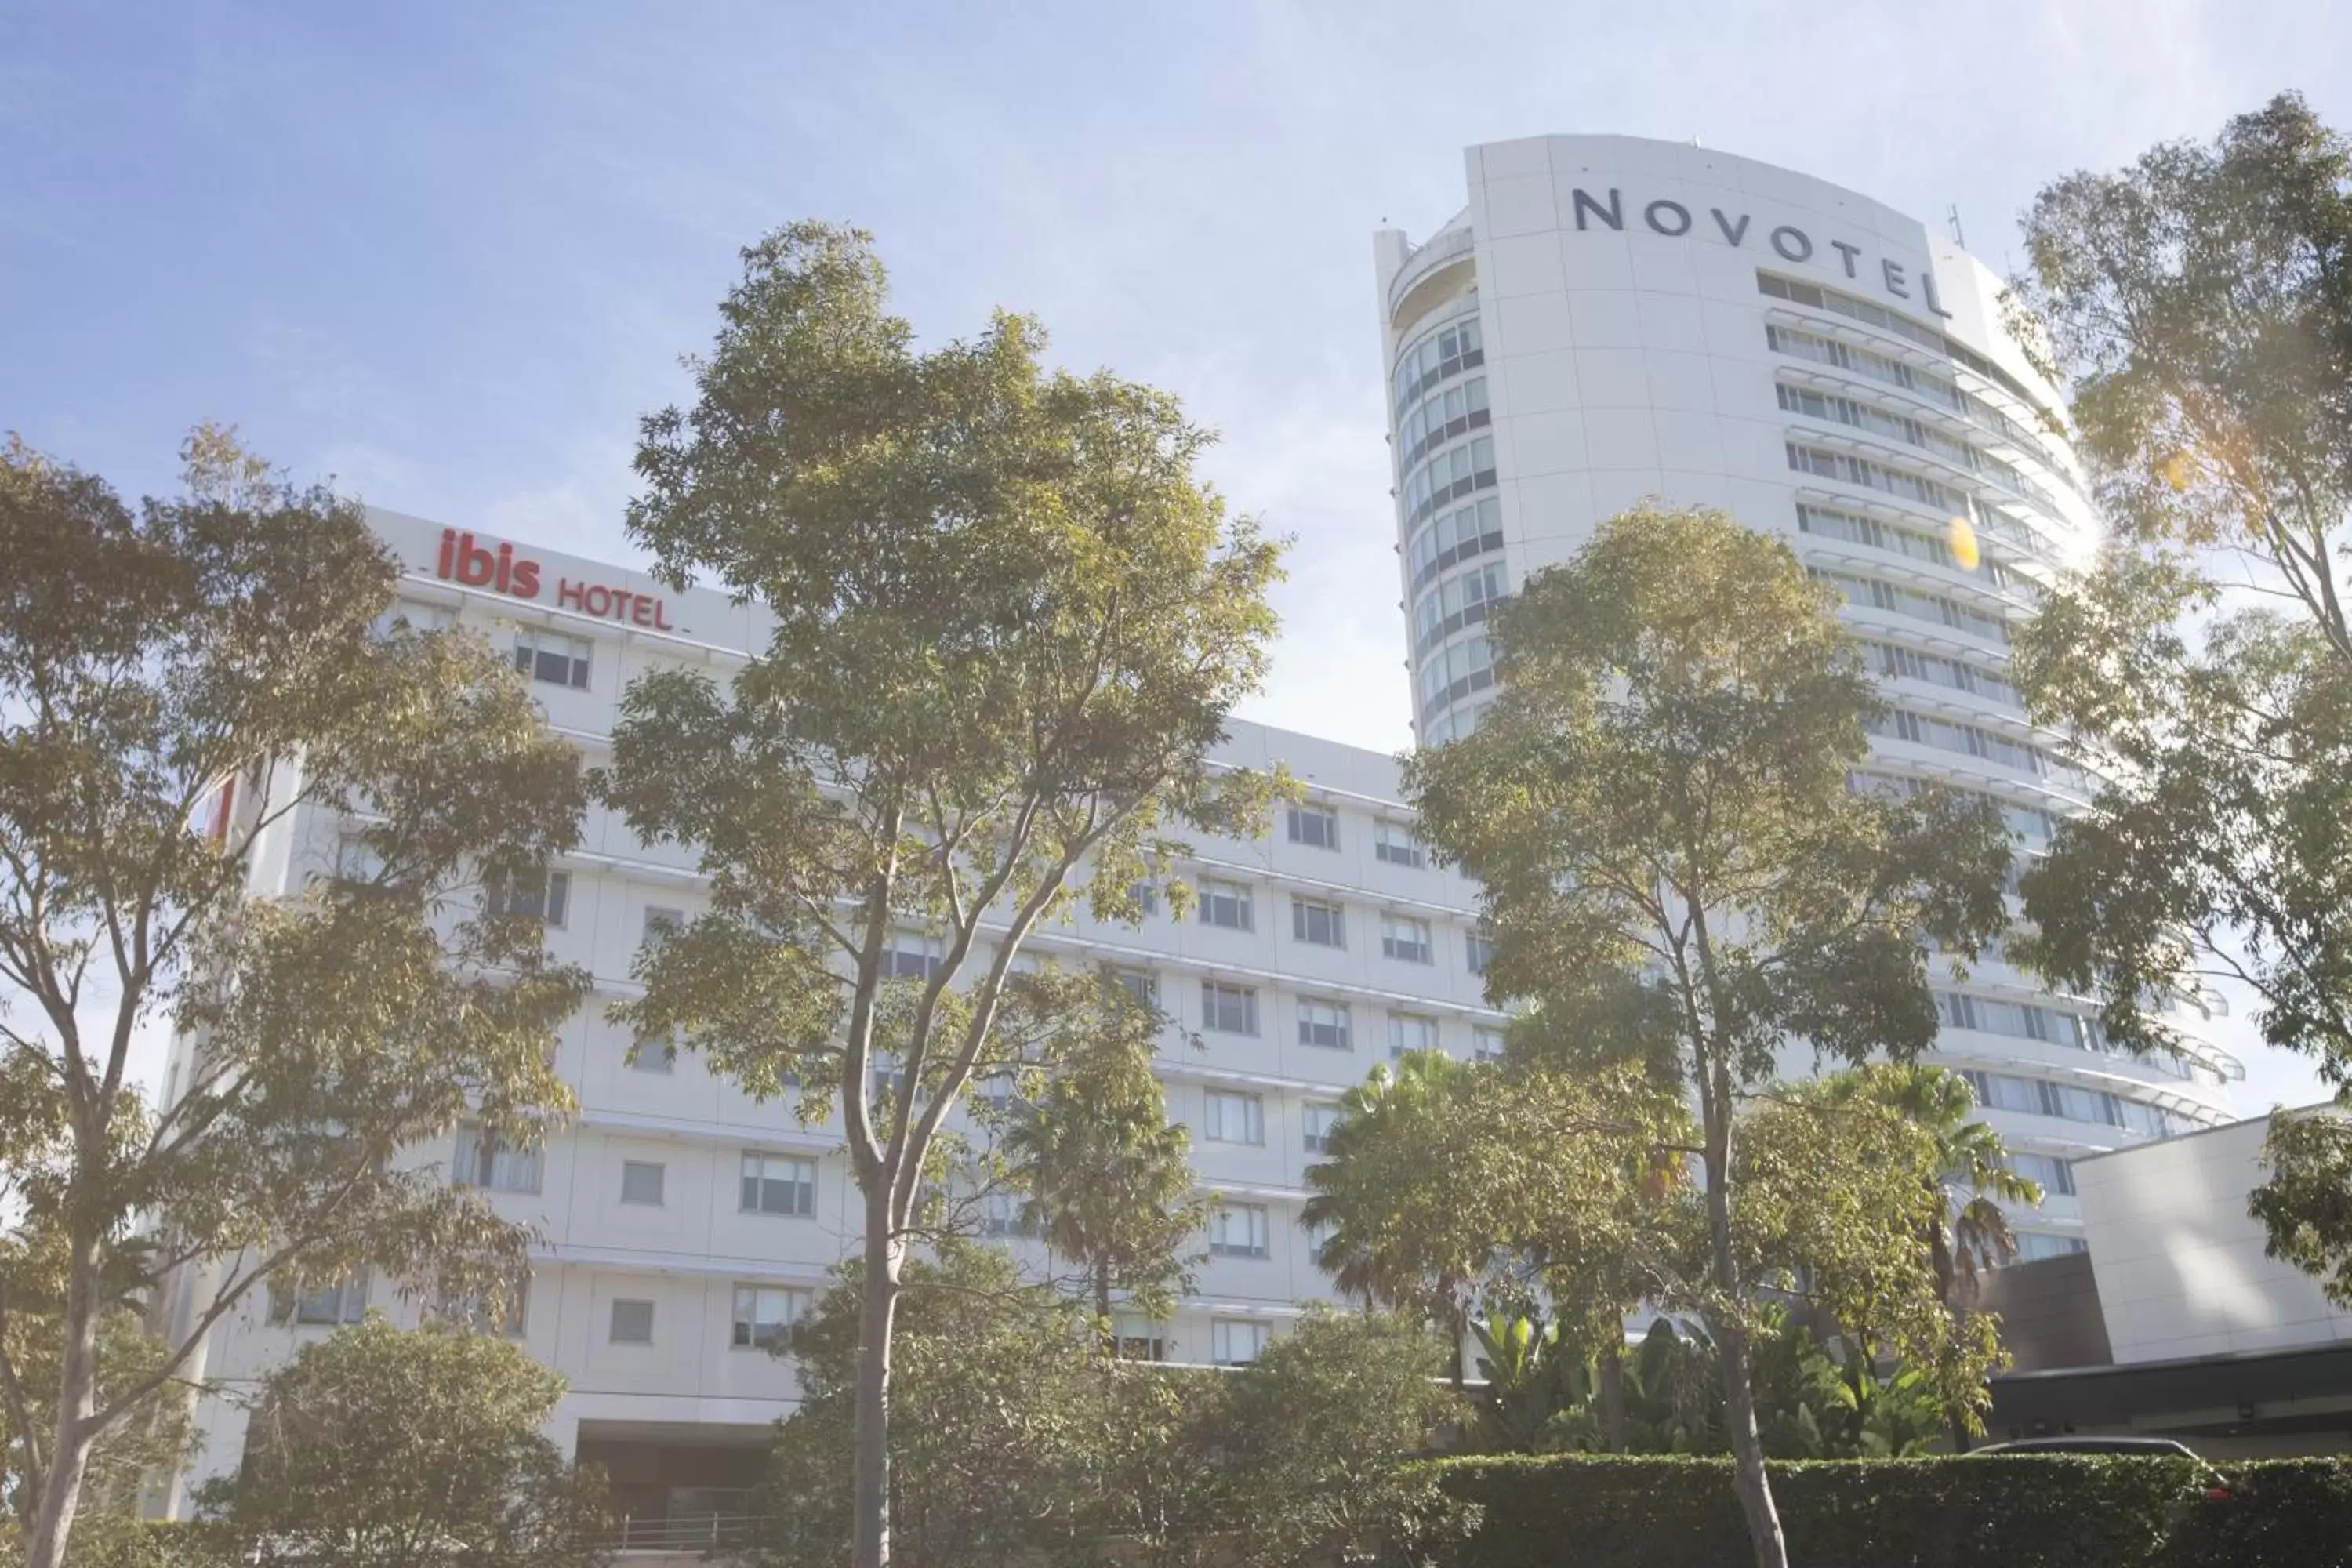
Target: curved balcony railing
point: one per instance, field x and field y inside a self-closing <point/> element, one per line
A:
<point x="1442" y="248"/>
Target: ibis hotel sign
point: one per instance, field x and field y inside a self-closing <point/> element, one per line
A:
<point x="1786" y="241"/>
<point x="470" y="564"/>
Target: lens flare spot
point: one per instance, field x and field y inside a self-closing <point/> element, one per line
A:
<point x="1963" y="541"/>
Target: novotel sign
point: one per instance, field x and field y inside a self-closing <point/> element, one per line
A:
<point x="1788" y="242"/>
<point x="472" y="565"/>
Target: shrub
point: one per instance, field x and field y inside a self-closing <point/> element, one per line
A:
<point x="2020" y="1511"/>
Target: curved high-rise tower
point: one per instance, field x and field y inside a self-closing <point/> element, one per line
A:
<point x="1612" y="319"/>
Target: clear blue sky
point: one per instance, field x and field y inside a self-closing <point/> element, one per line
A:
<point x="448" y="252"/>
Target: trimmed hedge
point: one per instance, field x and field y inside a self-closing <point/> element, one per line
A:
<point x="2050" y="1511"/>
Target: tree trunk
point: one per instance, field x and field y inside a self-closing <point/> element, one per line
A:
<point x="1731" y="1339"/>
<point x="1612" y="1393"/>
<point x="870" y="1526"/>
<point x="60" y="1492"/>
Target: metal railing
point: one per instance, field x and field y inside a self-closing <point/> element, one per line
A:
<point x="681" y="1533"/>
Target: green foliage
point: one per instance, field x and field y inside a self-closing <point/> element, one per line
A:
<point x="1396" y="1239"/>
<point x="1014" y="1440"/>
<point x="2200" y="302"/>
<point x="1529" y="1381"/>
<point x="1809" y="1405"/>
<point x="1009" y="623"/>
<point x="1658" y="802"/>
<point x="2306" y="1204"/>
<point x="409" y="1450"/>
<point x="2020" y="1511"/>
<point x="155" y="1438"/>
<point x="1812" y="1406"/>
<point x="176" y="682"/>
<point x="1673" y="1386"/>
<point x="1844" y="1206"/>
<point x="1109" y="1178"/>
<point x="1317" y="1432"/>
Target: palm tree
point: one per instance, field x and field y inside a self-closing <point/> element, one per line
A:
<point x="1977" y="1236"/>
<point x="1974" y="1237"/>
<point x="1386" y="1241"/>
<point x="1109" y="1179"/>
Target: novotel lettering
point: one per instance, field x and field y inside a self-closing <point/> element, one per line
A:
<point x="1788" y="242"/>
<point x="472" y="565"/>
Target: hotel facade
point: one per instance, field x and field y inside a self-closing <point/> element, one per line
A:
<point x="1606" y="320"/>
<point x="684" y="1226"/>
<point x="1611" y="319"/>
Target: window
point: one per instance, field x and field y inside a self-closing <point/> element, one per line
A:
<point x="633" y="1323"/>
<point x="1228" y="1009"/>
<point x="1317" y="921"/>
<point x="1486" y="1044"/>
<point x="552" y="657"/>
<point x="358" y="862"/>
<point x="661" y="925"/>
<point x="1238" y="1230"/>
<point x="1851" y="470"/>
<point x="1233" y="1342"/>
<point x="1453" y="672"/>
<point x="1478" y="951"/>
<point x="641" y="1182"/>
<point x="1006" y="1214"/>
<point x="1910" y="664"/>
<point x="1314" y="826"/>
<point x="336" y="1302"/>
<point x="1464" y="599"/>
<point x="645" y="1057"/>
<point x="1411" y="1032"/>
<point x="1225" y="904"/>
<point x="1147" y="896"/>
<point x="473" y="1313"/>
<point x="1461" y="534"/>
<point x="777" y="1184"/>
<point x="1140" y="985"/>
<point x="1447" y="351"/>
<point x="1895" y="599"/>
<point x="1394" y="843"/>
<point x="1456" y="411"/>
<point x="1320" y="1120"/>
<point x="405" y="616"/>
<point x="485" y="1159"/>
<point x="541" y="894"/>
<point x="1449" y="475"/>
<point x="764" y="1314"/>
<point x="1404" y="937"/>
<point x="1235" y="1118"/>
<point x="912" y="955"/>
<point x="2046" y="1171"/>
<point x="884" y="1077"/>
<point x="1141" y="1340"/>
<point x="2035" y="1245"/>
<point x="1324" y="1024"/>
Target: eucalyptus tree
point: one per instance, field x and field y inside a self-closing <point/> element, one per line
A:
<point x="179" y="685"/>
<point x="1006" y="622"/>
<point x="1660" y="794"/>
<point x="2199" y="304"/>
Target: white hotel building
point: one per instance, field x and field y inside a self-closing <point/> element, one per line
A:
<point x="1611" y="320"/>
<point x="1607" y="320"/>
<point x="684" y="1223"/>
